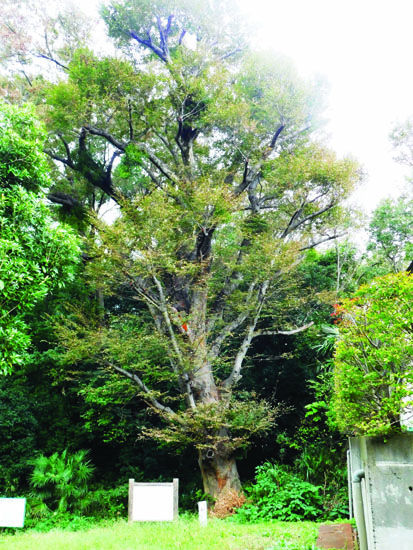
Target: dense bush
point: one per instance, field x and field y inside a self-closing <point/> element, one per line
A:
<point x="373" y="361"/>
<point x="18" y="430"/>
<point x="279" y="494"/>
<point x="110" y="503"/>
<point x="65" y="521"/>
<point x="60" y="483"/>
<point x="100" y="506"/>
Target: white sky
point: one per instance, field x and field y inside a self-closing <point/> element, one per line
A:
<point x="365" y="50"/>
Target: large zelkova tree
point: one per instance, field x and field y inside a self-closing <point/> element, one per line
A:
<point x="37" y="255"/>
<point x="207" y="149"/>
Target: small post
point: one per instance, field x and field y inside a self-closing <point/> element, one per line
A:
<point x="176" y="496"/>
<point x="202" y="511"/>
<point x="130" y="500"/>
<point x="350" y="486"/>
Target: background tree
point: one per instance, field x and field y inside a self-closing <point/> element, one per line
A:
<point x="391" y="234"/>
<point x="402" y="140"/>
<point x="34" y="42"/>
<point x="373" y="371"/>
<point x="37" y="255"/>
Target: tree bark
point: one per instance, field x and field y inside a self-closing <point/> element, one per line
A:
<point x="219" y="472"/>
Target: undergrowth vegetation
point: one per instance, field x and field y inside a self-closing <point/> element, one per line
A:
<point x="280" y="494"/>
<point x="61" y="496"/>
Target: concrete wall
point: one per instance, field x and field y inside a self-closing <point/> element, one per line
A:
<point x="387" y="489"/>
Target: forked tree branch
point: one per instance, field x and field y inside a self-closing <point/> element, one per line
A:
<point x="154" y="402"/>
<point x="249" y="335"/>
<point x="329" y="238"/>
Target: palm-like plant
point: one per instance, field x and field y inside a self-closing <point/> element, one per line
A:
<point x="60" y="482"/>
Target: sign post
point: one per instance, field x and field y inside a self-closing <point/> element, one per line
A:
<point x="153" y="501"/>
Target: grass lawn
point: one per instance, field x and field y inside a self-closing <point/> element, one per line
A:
<point x="184" y="534"/>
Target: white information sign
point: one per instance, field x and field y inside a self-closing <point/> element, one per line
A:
<point x="12" y="512"/>
<point x="153" y="501"/>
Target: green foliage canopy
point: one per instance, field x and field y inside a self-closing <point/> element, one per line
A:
<point x="373" y="360"/>
<point x="391" y="233"/>
<point x="37" y="254"/>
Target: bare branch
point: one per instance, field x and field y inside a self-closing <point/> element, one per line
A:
<point x="162" y="167"/>
<point x="330" y="238"/>
<point x="245" y="180"/>
<point x="226" y="331"/>
<point x="251" y="178"/>
<point x="57" y="197"/>
<point x="164" y="34"/>
<point x="66" y="146"/>
<point x="252" y="195"/>
<point x="249" y="335"/>
<point x="131" y="132"/>
<point x="153" y="177"/>
<point x="294" y="224"/>
<point x="181" y="36"/>
<point x="320" y="196"/>
<point x="154" y="402"/>
<point x="283" y="332"/>
<point x="168" y="146"/>
<point x="276" y="136"/>
<point x="67" y="162"/>
<point x="112" y="160"/>
<point x="44" y="56"/>
<point x="102" y="133"/>
<point x="291" y="224"/>
<point x="149" y="44"/>
<point x="229" y="54"/>
<point x="183" y="376"/>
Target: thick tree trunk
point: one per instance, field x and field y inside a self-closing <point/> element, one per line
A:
<point x="217" y="464"/>
<point x="219" y="473"/>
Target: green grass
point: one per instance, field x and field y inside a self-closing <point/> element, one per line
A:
<point x="184" y="534"/>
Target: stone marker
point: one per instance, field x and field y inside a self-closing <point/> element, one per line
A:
<point x="203" y="512"/>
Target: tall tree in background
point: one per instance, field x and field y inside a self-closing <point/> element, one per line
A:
<point x="37" y="255"/>
<point x="207" y="150"/>
<point x="373" y="374"/>
<point x="391" y="234"/>
<point x="402" y="140"/>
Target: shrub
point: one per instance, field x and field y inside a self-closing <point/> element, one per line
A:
<point x="109" y="503"/>
<point x="373" y="361"/>
<point x="66" y="522"/>
<point x="60" y="483"/>
<point x="279" y="494"/>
